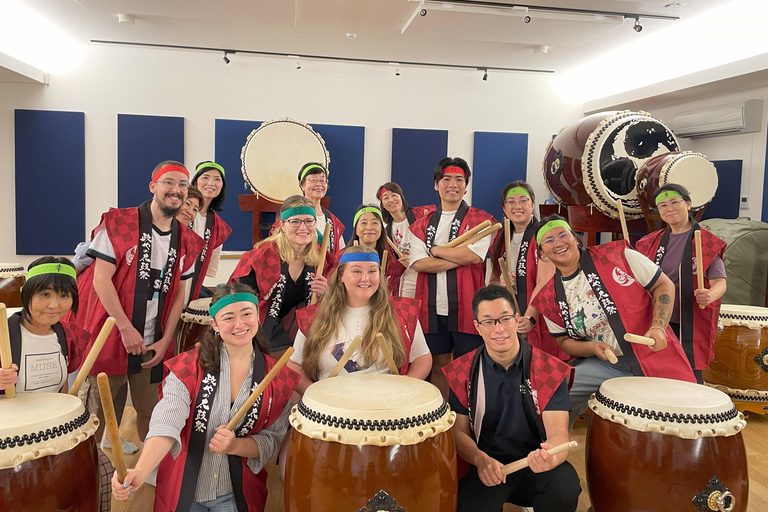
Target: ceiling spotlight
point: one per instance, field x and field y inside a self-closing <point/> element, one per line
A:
<point x="351" y="35"/>
<point x="485" y="75"/>
<point x="397" y="71"/>
<point x="298" y="64"/>
<point x="226" y="59"/>
<point x="526" y="19"/>
<point x="638" y="27"/>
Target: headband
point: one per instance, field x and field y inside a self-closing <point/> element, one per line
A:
<point x="454" y="169"/>
<point x="209" y="166"/>
<point x="666" y="195"/>
<point x="517" y="190"/>
<point x="359" y="256"/>
<point x="367" y="209"/>
<point x="52" y="268"/>
<point x="381" y="192"/>
<point x="298" y="210"/>
<point x="309" y="168"/>
<point x="170" y="168"/>
<point x="231" y="299"/>
<point x="549" y="225"/>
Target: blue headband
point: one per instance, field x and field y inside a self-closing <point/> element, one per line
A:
<point x="359" y="256"/>
<point x="231" y="299"/>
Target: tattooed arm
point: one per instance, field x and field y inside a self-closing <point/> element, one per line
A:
<point x="663" y="292"/>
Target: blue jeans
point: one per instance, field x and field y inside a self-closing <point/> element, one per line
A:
<point x="590" y="373"/>
<point x="224" y="503"/>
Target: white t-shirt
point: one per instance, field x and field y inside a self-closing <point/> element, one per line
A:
<point x="587" y="315"/>
<point x="401" y="237"/>
<point x="43" y="367"/>
<point x="198" y="226"/>
<point x="321" y="229"/>
<point x="517" y="240"/>
<point x="419" y="252"/>
<point x="353" y="324"/>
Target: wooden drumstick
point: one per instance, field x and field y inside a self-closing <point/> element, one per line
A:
<point x="112" y="429"/>
<point x="384" y="262"/>
<point x="699" y="267"/>
<point x="243" y="410"/>
<point x="640" y="340"/>
<point x="109" y="323"/>
<point x="354" y="243"/>
<point x="323" y="252"/>
<point x="508" y="284"/>
<point x="469" y="234"/>
<point x="623" y="220"/>
<point x="387" y="354"/>
<point x="345" y="357"/>
<point x="523" y="463"/>
<point x="611" y="355"/>
<point x="484" y="233"/>
<point x="508" y="244"/>
<point x="394" y="248"/>
<point x="5" y="348"/>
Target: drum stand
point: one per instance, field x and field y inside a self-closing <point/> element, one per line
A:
<point x="258" y="204"/>
<point x="591" y="221"/>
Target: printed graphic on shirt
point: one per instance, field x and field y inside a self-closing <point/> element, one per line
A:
<point x="42" y="370"/>
<point x="351" y="365"/>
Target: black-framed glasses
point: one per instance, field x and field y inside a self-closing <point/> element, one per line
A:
<point x="295" y="223"/>
<point x="490" y="323"/>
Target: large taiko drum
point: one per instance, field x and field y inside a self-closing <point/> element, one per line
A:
<point x="663" y="445"/>
<point x="12" y="278"/>
<point x="194" y="321"/>
<point x="692" y="170"/>
<point x="371" y="442"/>
<point x="274" y="153"/>
<point x="740" y="366"/>
<point x="48" y="458"/>
<point x="596" y="159"/>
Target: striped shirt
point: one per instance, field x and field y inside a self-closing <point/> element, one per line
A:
<point x="170" y="416"/>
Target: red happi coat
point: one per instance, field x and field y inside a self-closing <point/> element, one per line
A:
<point x="702" y="346"/>
<point x="635" y="309"/>
<point x="219" y="234"/>
<point x="393" y="272"/>
<point x="122" y="226"/>
<point x="336" y="233"/>
<point x="469" y="278"/>
<point x="171" y="471"/>
<point x="406" y="312"/>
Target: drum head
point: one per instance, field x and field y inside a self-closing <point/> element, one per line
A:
<point x="274" y="153"/>
<point x="691" y="170"/>
<point x="197" y="311"/>
<point x="753" y="317"/>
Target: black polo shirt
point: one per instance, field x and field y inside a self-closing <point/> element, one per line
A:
<point x="506" y="434"/>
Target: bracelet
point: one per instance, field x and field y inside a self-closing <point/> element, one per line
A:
<point x="661" y="329"/>
<point x="531" y="319"/>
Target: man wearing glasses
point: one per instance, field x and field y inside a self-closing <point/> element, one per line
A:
<point x="141" y="254"/>
<point x="511" y="402"/>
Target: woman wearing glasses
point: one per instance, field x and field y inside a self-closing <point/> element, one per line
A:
<point x="695" y="312"/>
<point x="281" y="269"/>
<point x="313" y="181"/>
<point x="595" y="297"/>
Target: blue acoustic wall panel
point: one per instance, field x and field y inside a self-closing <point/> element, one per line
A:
<point x="725" y="204"/>
<point x="142" y="143"/>
<point x="414" y="156"/>
<point x="50" y="181"/>
<point x="499" y="158"/>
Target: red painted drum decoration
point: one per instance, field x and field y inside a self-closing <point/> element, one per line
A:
<point x="371" y="442"/>
<point x="596" y="159"/>
<point x="740" y="366"/>
<point x="12" y="278"/>
<point x="686" y="168"/>
<point x="194" y="321"/>
<point x="665" y="445"/>
<point x="48" y="459"/>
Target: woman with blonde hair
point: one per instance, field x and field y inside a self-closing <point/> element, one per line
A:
<point x="281" y="269"/>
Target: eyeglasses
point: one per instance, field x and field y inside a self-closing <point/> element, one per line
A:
<point x="295" y="223"/>
<point x="315" y="181"/>
<point x="171" y="184"/>
<point x="490" y="323"/>
<point x="669" y="204"/>
<point x="521" y="202"/>
<point x="563" y="237"/>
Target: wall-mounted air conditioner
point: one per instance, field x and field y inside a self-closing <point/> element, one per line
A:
<point x="743" y="117"/>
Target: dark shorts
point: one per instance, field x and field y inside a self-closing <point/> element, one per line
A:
<point x="446" y="342"/>
<point x="279" y="339"/>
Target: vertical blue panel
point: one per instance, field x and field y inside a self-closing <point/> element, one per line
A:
<point x="50" y="181"/>
<point x="142" y="143"/>
<point x="725" y="204"/>
<point x="414" y="156"/>
<point x="499" y="158"/>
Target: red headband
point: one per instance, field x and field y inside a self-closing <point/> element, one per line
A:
<point x="169" y="168"/>
<point x="454" y="169"/>
<point x="381" y="192"/>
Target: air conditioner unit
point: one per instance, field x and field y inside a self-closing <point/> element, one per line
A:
<point x="743" y="117"/>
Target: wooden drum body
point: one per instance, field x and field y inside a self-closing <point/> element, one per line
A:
<point x="48" y="457"/>
<point x="371" y="442"/>
<point x="665" y="445"/>
<point x="686" y="168"/>
<point x="194" y="321"/>
<point x="12" y="278"/>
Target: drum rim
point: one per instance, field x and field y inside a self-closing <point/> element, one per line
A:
<point x="680" y="155"/>
<point x="730" y="318"/>
<point x="14" y="269"/>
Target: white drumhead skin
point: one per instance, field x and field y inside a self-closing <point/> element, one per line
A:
<point x="192" y="311"/>
<point x="12" y="270"/>
<point x="694" y="172"/>
<point x="753" y="317"/>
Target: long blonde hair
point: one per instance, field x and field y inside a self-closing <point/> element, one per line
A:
<point x="311" y="253"/>
<point x="329" y="318"/>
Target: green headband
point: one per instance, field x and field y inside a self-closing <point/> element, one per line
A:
<point x="231" y="299"/>
<point x="298" y="210"/>
<point x="313" y="166"/>
<point x="666" y="195"/>
<point x="517" y="190"/>
<point x="52" y="268"/>
<point x="210" y="165"/>
<point x="549" y="225"/>
<point x="367" y="209"/>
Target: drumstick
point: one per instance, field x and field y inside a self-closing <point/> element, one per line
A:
<point x="110" y="419"/>
<point x="384" y="262"/>
<point x="508" y="284"/>
<point x="394" y="248"/>
<point x="354" y="243"/>
<point x="484" y="233"/>
<point x="472" y="232"/>
<point x="523" y="463"/>
<point x="611" y="356"/>
<point x="699" y="269"/>
<point x="5" y="348"/>
<point x="508" y="244"/>
<point x="387" y="354"/>
<point x="259" y="390"/>
<point x="345" y="357"/>
<point x="623" y="220"/>
<point x="323" y="251"/>
<point x="109" y="323"/>
<point x="640" y="340"/>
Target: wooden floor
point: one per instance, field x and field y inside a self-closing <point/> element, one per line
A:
<point x="755" y="439"/>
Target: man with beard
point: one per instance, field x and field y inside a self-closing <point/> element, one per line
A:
<point x="141" y="255"/>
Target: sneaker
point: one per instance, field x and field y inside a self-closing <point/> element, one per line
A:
<point x="128" y="447"/>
